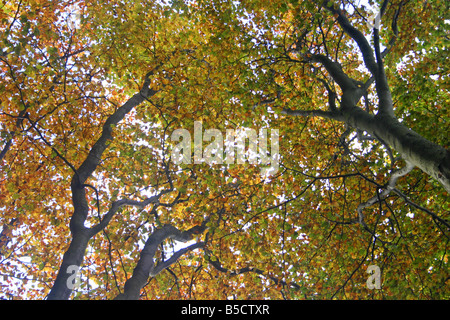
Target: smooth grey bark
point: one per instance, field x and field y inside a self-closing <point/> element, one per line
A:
<point x="431" y="158"/>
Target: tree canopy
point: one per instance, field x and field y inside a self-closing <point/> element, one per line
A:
<point x="351" y="98"/>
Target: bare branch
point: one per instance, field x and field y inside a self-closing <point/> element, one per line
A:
<point x="331" y="96"/>
<point x="145" y="266"/>
<point x="174" y="258"/>
<point x="356" y="35"/>
<point x="93" y="159"/>
<point x="116" y="205"/>
<point x="217" y="265"/>
<point x="390" y="186"/>
<point x="313" y="113"/>
<point x="394" y="30"/>
<point x="335" y="71"/>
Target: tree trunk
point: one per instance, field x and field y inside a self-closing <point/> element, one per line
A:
<point x="74" y="256"/>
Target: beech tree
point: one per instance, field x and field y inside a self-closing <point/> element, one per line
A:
<point x="95" y="204"/>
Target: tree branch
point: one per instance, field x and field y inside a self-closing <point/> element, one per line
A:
<point x="217" y="265"/>
<point x="116" y="205"/>
<point x="331" y="96"/>
<point x="356" y="35"/>
<point x="390" y="186"/>
<point x="93" y="159"/>
<point x="394" y="30"/>
<point x="33" y="125"/>
<point x="91" y="162"/>
<point x="313" y="113"/>
<point x="174" y="258"/>
<point x="145" y="266"/>
<point x="335" y="71"/>
<point x="385" y="105"/>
